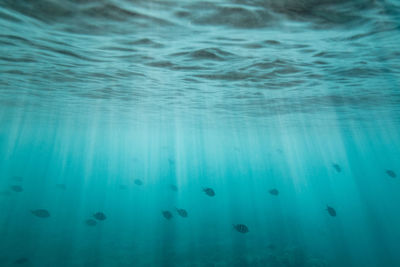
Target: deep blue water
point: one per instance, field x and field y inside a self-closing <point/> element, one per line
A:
<point x="114" y="111"/>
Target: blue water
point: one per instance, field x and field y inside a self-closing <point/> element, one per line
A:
<point x="114" y="111"/>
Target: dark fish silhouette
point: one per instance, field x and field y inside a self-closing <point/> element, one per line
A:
<point x="173" y="187"/>
<point x="138" y="182"/>
<point x="182" y="212"/>
<point x="61" y="186"/>
<point x="241" y="228"/>
<point x="41" y="213"/>
<point x="391" y="173"/>
<point x="21" y="261"/>
<point x="122" y="187"/>
<point x="337" y="167"/>
<point x="17" y="188"/>
<point x="167" y="214"/>
<point x="274" y="192"/>
<point x="331" y="211"/>
<point x="90" y="222"/>
<point x="100" y="216"/>
<point x="209" y="191"/>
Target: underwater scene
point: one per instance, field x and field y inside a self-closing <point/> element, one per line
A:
<point x="200" y="133"/>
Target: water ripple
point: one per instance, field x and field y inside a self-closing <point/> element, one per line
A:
<point x="241" y="59"/>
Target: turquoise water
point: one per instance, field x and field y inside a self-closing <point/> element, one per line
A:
<point x="113" y="112"/>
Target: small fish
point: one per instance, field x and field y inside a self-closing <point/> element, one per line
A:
<point x="209" y="191"/>
<point x="337" y="167"/>
<point x="271" y="247"/>
<point x="241" y="228"/>
<point x="274" y="192"/>
<point x="41" y="213"/>
<point x="17" y="188"/>
<point x="61" y="186"/>
<point x="123" y="187"/>
<point x="21" y="260"/>
<point x="173" y="187"/>
<point x="331" y="211"/>
<point x="167" y="214"/>
<point x="138" y="182"/>
<point x="100" y="216"/>
<point x="90" y="222"/>
<point x="182" y="212"/>
<point x="391" y="173"/>
<point x="171" y="161"/>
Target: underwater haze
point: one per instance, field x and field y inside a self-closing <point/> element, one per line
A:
<point x="200" y="133"/>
